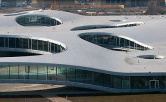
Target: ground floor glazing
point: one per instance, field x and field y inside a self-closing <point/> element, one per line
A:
<point x="82" y="76"/>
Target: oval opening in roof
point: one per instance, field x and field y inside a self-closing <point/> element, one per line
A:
<point x="89" y="27"/>
<point x="114" y="42"/>
<point x="118" y="20"/>
<point x="37" y="20"/>
<point x="151" y="56"/>
<point x="13" y="46"/>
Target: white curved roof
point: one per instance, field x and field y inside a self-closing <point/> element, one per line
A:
<point x="82" y="53"/>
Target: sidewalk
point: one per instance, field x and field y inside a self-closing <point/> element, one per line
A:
<point x="56" y="98"/>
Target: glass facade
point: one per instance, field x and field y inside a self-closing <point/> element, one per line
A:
<point x="37" y="20"/>
<point x="80" y="76"/>
<point x="112" y="42"/>
<point x="34" y="44"/>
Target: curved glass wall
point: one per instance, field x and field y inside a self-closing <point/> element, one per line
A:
<point x="68" y="74"/>
<point x="113" y="42"/>
<point x="37" y="20"/>
<point x="88" y="27"/>
<point x="32" y="44"/>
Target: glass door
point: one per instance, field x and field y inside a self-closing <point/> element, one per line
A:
<point x="154" y="84"/>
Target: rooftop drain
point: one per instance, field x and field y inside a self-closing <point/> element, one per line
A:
<point x="151" y="57"/>
<point x="88" y="27"/>
<point x="21" y="46"/>
<point x="37" y="20"/>
<point x="114" y="42"/>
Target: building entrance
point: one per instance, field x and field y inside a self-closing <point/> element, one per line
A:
<point x="153" y="84"/>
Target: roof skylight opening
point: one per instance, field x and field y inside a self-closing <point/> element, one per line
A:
<point x="37" y="20"/>
<point x="20" y="46"/>
<point x="151" y="57"/>
<point x="118" y="20"/>
<point x="114" y="42"/>
<point x="89" y="27"/>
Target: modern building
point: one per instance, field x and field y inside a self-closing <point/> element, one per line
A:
<point x="114" y="54"/>
<point x="126" y="3"/>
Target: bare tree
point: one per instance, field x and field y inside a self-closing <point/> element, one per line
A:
<point x="155" y="7"/>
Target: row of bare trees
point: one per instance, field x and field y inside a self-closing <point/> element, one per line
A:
<point x="156" y="7"/>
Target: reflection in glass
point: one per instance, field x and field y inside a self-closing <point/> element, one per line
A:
<point x="80" y="75"/>
<point x="4" y="72"/>
<point x="52" y="71"/>
<point x="24" y="72"/>
<point x="112" y="42"/>
<point x="71" y="74"/>
<point x="42" y="73"/>
<point x="61" y="73"/>
<point x="33" y="72"/>
<point x="13" y="72"/>
<point x="37" y="20"/>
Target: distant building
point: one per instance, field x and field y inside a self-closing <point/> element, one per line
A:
<point x="128" y="3"/>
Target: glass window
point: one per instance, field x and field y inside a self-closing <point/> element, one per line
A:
<point x="106" y="39"/>
<point x="80" y="75"/>
<point x="40" y="45"/>
<point x="52" y="48"/>
<point x="127" y="43"/>
<point x="47" y="21"/>
<point x="34" y="44"/>
<point x="46" y="45"/>
<point x="125" y="82"/>
<point x="42" y="20"/>
<point x="4" y="72"/>
<point x="117" y="82"/>
<point x="6" y="42"/>
<point x="52" y="22"/>
<point x="107" y="80"/>
<point x="13" y="72"/>
<point x="52" y="73"/>
<point x="61" y="73"/>
<point x="139" y="82"/>
<point x="42" y="73"/>
<point x="132" y="45"/>
<point x="71" y="74"/>
<point x="89" y="77"/>
<point x="56" y="48"/>
<point x="162" y="82"/>
<point x="122" y="42"/>
<point x="118" y="1"/>
<point x="12" y="43"/>
<point x="113" y="1"/>
<point x="29" y="43"/>
<point x="24" y="72"/>
<point x="123" y="2"/>
<point x="99" y="40"/>
<point x="33" y="72"/>
<point x="25" y="43"/>
<point x="98" y="78"/>
<point x="26" y="20"/>
<point x="2" y="40"/>
<point x="57" y="22"/>
<point x="112" y="41"/>
<point x="107" y="1"/>
<point x="19" y="43"/>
